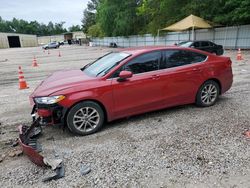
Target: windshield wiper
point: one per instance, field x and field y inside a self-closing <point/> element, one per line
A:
<point x="82" y="69"/>
<point x="108" y="69"/>
<point x="100" y="72"/>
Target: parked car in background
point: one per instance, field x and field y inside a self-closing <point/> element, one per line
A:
<point x="204" y="45"/>
<point x="130" y="82"/>
<point x="51" y="45"/>
<point x="61" y="43"/>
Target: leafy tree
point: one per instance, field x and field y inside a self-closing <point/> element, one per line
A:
<point x="95" y="31"/>
<point x="234" y="12"/>
<point x="33" y="27"/>
<point x="129" y="17"/>
<point x="118" y="18"/>
<point x="75" y="28"/>
<point x="89" y="15"/>
<point x="159" y="14"/>
<point x="58" y="28"/>
<point x="226" y="12"/>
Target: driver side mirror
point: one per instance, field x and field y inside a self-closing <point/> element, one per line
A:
<point x="125" y="75"/>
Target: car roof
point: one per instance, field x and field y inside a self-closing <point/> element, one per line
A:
<point x="141" y="50"/>
<point x="144" y="49"/>
<point x="196" y="41"/>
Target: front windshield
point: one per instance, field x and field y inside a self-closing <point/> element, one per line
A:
<point x="104" y="64"/>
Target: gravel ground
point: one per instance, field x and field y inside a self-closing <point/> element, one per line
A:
<point x="184" y="146"/>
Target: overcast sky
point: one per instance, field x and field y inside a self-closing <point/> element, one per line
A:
<point x="70" y="11"/>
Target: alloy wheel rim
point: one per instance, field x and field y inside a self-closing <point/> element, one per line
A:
<point x="209" y="94"/>
<point x="86" y="119"/>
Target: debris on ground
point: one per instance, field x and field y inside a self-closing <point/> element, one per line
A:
<point x="84" y="169"/>
<point x="50" y="138"/>
<point x="53" y="163"/>
<point x="2" y="158"/>
<point x="60" y="173"/>
<point x="15" y="152"/>
<point x="28" y="136"/>
<point x="12" y="142"/>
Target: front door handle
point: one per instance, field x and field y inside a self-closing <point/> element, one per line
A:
<point x="196" y="69"/>
<point x="155" y="77"/>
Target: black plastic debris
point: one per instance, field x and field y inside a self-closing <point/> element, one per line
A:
<point x="60" y="173"/>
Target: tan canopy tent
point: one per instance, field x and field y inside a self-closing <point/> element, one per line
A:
<point x="190" y="22"/>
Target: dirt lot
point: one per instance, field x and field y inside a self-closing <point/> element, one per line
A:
<point x="184" y="146"/>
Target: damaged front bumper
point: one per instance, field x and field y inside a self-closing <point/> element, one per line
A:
<point x="29" y="144"/>
<point x="28" y="137"/>
<point x="49" y="114"/>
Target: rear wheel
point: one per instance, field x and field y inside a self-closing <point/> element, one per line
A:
<point x="85" y="118"/>
<point x="208" y="94"/>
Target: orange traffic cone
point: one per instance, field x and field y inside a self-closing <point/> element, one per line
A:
<point x="247" y="134"/>
<point x="34" y="64"/>
<point x="22" y="82"/>
<point x="239" y="55"/>
<point x="59" y="54"/>
<point x="20" y="70"/>
<point x="48" y="52"/>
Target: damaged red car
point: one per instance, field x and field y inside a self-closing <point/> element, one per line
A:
<point x="130" y="82"/>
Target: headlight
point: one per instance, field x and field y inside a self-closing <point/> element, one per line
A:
<point x="49" y="100"/>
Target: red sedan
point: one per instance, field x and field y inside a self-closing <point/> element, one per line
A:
<point x="130" y="82"/>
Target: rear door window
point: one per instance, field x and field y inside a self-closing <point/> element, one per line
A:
<point x="211" y="44"/>
<point x="176" y="58"/>
<point x="204" y="44"/>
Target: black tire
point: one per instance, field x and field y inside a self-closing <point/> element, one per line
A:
<point x="79" y="110"/>
<point x="214" y="94"/>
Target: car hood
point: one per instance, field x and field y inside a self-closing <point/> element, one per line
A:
<point x="61" y="80"/>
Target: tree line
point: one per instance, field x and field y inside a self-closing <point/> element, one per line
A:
<point x="33" y="27"/>
<point x="132" y="17"/>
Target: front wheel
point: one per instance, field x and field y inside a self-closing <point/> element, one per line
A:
<point x="85" y="118"/>
<point x="208" y="94"/>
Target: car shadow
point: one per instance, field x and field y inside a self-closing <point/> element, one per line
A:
<point x="157" y="114"/>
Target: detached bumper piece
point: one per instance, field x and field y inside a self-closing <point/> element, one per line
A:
<point x="28" y="142"/>
<point x="28" y="137"/>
